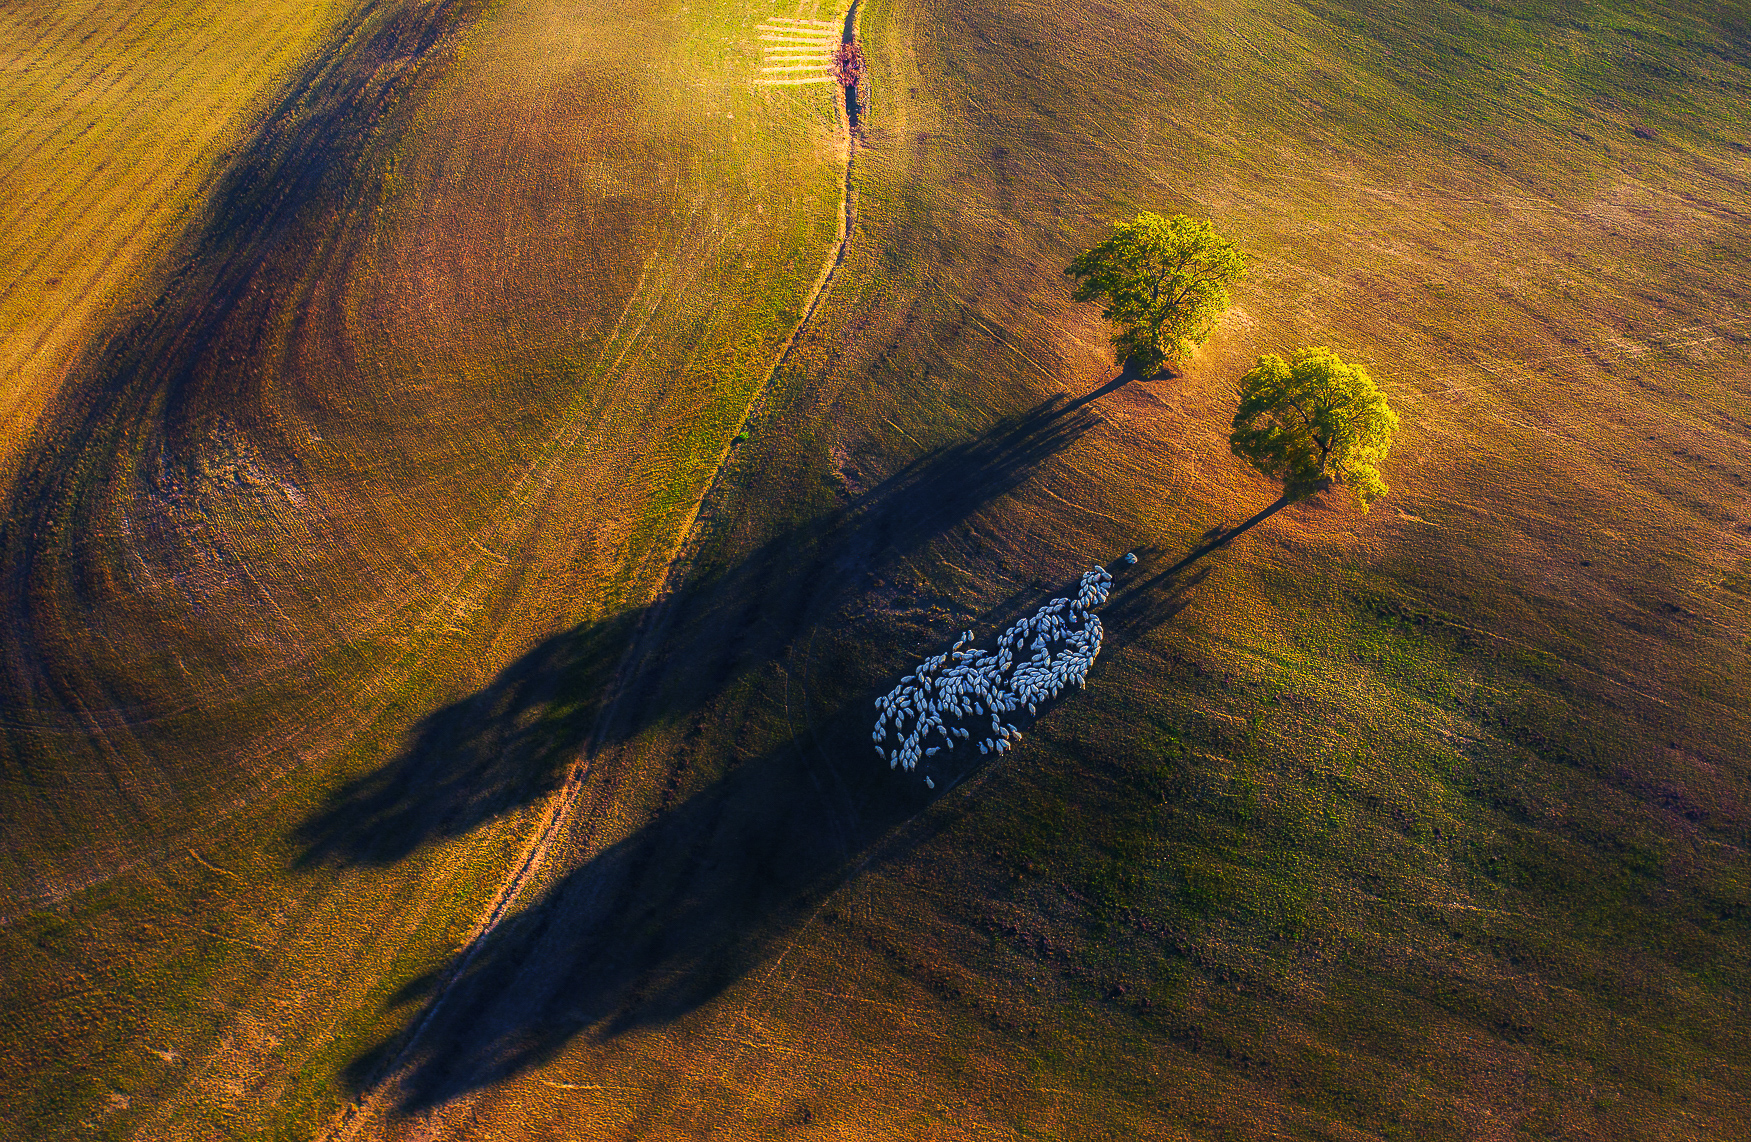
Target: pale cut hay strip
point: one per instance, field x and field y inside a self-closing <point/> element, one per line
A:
<point x="792" y="82"/>
<point x="790" y="20"/>
<point x="799" y="67"/>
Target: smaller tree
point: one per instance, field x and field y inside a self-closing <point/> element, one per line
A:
<point x="1164" y="282"/>
<point x="1312" y="421"/>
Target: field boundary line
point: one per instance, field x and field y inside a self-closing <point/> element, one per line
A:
<point x="529" y="862"/>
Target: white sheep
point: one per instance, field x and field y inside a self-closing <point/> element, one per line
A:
<point x="1064" y="638"/>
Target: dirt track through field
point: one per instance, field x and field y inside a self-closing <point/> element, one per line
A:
<point x="624" y="858"/>
<point x="646" y="639"/>
<point x="570" y="446"/>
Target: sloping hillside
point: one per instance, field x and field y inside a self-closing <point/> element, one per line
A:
<point x="117" y="118"/>
<point x="426" y="392"/>
<point x="1425" y="822"/>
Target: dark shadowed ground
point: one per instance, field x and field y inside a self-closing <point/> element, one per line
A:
<point x="661" y="922"/>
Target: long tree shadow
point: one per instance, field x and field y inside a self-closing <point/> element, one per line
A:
<point x="1128" y="372"/>
<point x="662" y="922"/>
<point x="1152" y="594"/>
<point x="942" y="488"/>
<point x="656" y="925"/>
<point x="500" y="748"/>
<point x="510" y="743"/>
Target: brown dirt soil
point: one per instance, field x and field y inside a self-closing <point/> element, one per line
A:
<point x="427" y="394"/>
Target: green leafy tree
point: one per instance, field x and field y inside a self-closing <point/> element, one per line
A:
<point x="1312" y="421"/>
<point x="1164" y="282"/>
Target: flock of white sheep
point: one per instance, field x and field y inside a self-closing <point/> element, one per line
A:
<point x="1035" y="660"/>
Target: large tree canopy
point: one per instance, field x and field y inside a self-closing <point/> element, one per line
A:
<point x="1314" y="419"/>
<point x="1164" y="282"/>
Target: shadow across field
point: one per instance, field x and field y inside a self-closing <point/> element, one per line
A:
<point x="1148" y="594"/>
<point x="492" y="752"/>
<point x="662" y="921"/>
<point x="510" y="743"/>
<point x="944" y="487"/>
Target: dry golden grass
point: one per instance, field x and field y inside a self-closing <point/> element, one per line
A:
<point x="116" y="118"/>
<point x="1429" y="822"/>
<point x="433" y="381"/>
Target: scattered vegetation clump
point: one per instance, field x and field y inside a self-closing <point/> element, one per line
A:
<point x="1164" y="282"/>
<point x="1313" y="421"/>
<point x="848" y="64"/>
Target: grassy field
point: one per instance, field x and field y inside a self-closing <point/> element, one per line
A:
<point x="418" y="405"/>
<point x="1423" y="823"/>
<point x="117" y="117"/>
<point x="1428" y="822"/>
